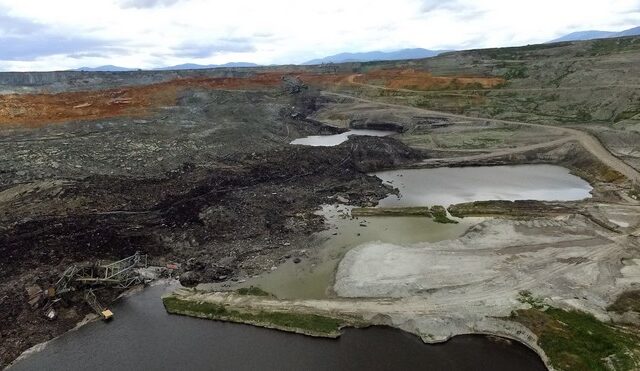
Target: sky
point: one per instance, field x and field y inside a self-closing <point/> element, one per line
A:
<point x="63" y="34"/>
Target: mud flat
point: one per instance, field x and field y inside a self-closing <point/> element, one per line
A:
<point x="551" y="257"/>
<point x="309" y="274"/>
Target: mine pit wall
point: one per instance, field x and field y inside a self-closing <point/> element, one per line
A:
<point x="377" y="125"/>
<point x="70" y="81"/>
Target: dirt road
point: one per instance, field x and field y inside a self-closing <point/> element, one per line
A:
<point x="497" y="153"/>
<point x="589" y="142"/>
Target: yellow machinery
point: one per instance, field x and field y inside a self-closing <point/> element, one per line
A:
<point x="107" y="314"/>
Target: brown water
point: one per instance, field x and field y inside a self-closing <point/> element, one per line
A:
<point x="144" y="337"/>
<point x="312" y="278"/>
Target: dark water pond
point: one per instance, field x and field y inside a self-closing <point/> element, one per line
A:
<point x="144" y="337"/>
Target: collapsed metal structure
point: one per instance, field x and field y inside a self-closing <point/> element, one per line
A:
<point x="121" y="274"/>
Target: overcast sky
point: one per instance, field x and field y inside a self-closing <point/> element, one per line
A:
<point x="63" y="34"/>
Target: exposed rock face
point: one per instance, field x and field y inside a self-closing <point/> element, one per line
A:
<point x="190" y="279"/>
<point x="370" y="124"/>
<point x="377" y="153"/>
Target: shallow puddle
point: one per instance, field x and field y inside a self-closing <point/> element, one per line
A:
<point x="313" y="277"/>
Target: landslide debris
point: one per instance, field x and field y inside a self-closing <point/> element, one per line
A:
<point x="241" y="213"/>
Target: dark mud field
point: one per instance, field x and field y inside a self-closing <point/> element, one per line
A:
<point x="211" y="184"/>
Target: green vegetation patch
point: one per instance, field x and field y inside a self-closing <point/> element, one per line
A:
<point x="627" y="302"/>
<point x="527" y="297"/>
<point x="289" y="321"/>
<point x="626" y="115"/>
<point x="615" y="45"/>
<point x="440" y="215"/>
<point x="253" y="291"/>
<point x="391" y="211"/>
<point x="518" y="52"/>
<point x="175" y="305"/>
<point x="516" y="209"/>
<point x="575" y="340"/>
<point x="517" y="72"/>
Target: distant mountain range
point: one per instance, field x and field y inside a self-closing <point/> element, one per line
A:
<point x="186" y="66"/>
<point x="192" y="66"/>
<point x="594" y="34"/>
<point x="416" y="53"/>
<point x="107" y="68"/>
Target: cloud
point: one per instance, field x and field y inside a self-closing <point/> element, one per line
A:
<point x="22" y="39"/>
<point x="25" y="49"/>
<point x="433" y="5"/>
<point x="459" y="8"/>
<point x="201" y="50"/>
<point x="147" y="4"/>
<point x="45" y="35"/>
<point x="17" y="26"/>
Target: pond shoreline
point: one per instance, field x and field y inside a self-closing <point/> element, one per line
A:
<point x="349" y="315"/>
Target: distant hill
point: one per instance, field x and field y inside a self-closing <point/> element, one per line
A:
<point x="193" y="66"/>
<point x="186" y="66"/>
<point x="377" y="56"/>
<point x="594" y="34"/>
<point x="107" y="68"/>
<point x="630" y="32"/>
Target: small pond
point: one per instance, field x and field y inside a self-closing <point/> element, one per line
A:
<point x="335" y="139"/>
<point x="446" y="186"/>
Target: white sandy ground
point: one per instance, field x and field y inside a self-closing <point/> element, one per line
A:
<point x="564" y="259"/>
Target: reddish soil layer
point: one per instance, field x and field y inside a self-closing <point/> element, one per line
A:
<point x="422" y="80"/>
<point x="41" y="109"/>
<point x="33" y="110"/>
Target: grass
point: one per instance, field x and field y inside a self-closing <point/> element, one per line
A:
<point x="517" y="52"/>
<point x="253" y="291"/>
<point x="590" y="170"/>
<point x="626" y="115"/>
<point x="500" y="207"/>
<point x="518" y="72"/>
<point x="437" y="213"/>
<point x="627" y="302"/>
<point x="173" y="304"/>
<point x="440" y="215"/>
<point x="527" y="297"/>
<point x="616" y="45"/>
<point x="308" y="323"/>
<point x="575" y="340"/>
<point x="391" y="211"/>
